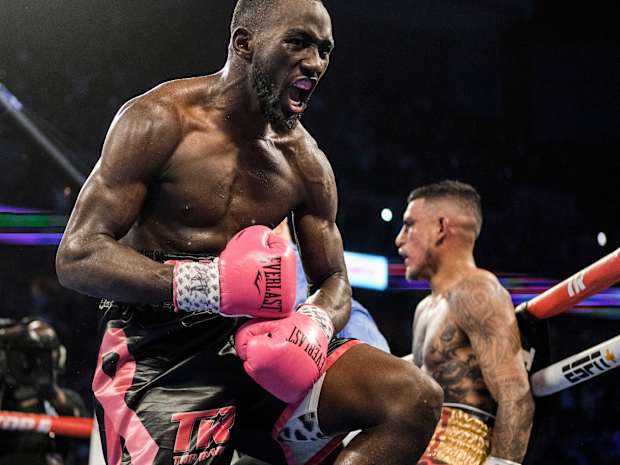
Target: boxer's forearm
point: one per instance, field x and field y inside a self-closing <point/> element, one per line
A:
<point x="512" y="428"/>
<point x="101" y="267"/>
<point x="334" y="296"/>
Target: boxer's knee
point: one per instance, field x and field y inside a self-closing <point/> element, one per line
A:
<point x="414" y="399"/>
<point x="428" y="404"/>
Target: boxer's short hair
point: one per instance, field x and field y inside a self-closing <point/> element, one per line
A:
<point x="251" y="14"/>
<point x="462" y="192"/>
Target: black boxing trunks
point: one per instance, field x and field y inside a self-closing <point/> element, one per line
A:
<point x="170" y="389"/>
<point x="462" y="437"/>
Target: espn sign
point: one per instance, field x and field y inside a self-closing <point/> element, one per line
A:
<point x="588" y="366"/>
<point x="577" y="368"/>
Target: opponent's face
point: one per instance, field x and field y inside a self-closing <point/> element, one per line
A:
<point x="289" y="60"/>
<point x="416" y="238"/>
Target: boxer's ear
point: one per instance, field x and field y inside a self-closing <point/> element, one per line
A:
<point x="242" y="43"/>
<point x="443" y="225"/>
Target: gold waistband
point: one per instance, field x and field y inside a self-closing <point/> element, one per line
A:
<point x="459" y="439"/>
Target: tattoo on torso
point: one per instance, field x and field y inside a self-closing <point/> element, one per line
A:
<point x="444" y="351"/>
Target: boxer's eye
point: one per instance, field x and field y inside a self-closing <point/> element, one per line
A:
<point x="296" y="42"/>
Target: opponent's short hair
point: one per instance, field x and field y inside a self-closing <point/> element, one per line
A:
<point x="462" y="192"/>
<point x="252" y="14"/>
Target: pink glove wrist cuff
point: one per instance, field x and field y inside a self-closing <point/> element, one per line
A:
<point x="320" y="316"/>
<point x="196" y="286"/>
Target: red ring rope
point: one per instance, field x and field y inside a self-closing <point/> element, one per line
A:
<point x="77" y="427"/>
<point x="564" y="295"/>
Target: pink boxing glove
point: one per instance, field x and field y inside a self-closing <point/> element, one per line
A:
<point x="254" y="276"/>
<point x="287" y="356"/>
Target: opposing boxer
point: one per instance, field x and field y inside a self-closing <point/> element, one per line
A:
<point x="171" y="230"/>
<point x="465" y="333"/>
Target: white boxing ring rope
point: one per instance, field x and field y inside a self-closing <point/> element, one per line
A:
<point x="576" y="369"/>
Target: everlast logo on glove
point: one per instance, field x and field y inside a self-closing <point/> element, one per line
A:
<point x="272" y="293"/>
<point x="298" y="338"/>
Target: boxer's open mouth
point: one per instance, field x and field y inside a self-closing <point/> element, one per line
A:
<point x="299" y="94"/>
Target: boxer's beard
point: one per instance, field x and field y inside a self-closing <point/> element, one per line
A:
<point x="269" y="102"/>
<point x="426" y="269"/>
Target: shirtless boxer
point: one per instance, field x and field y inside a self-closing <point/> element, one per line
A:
<point x="465" y="333"/>
<point x="170" y="230"/>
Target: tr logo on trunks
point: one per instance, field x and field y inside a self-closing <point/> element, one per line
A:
<point x="588" y="366"/>
<point x="202" y="434"/>
<point x="270" y="278"/>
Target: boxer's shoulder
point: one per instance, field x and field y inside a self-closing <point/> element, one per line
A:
<point x="302" y="148"/>
<point x="184" y="91"/>
<point x="313" y="171"/>
<point x="479" y="296"/>
<point x="478" y="281"/>
<point x="169" y="104"/>
<point x="425" y="303"/>
<point x="142" y="137"/>
<point x="148" y="114"/>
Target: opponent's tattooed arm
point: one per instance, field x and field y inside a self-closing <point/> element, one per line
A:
<point x="486" y="314"/>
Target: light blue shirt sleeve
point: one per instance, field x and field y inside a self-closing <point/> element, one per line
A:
<point x="361" y="325"/>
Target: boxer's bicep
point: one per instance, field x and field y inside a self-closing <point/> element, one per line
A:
<point x="487" y="316"/>
<point x="139" y="142"/>
<point x="103" y="210"/>
<point x="320" y="248"/>
<point x="320" y="245"/>
<point x="322" y="256"/>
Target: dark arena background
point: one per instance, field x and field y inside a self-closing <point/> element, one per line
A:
<point x="520" y="98"/>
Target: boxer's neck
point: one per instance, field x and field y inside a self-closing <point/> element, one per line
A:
<point x="239" y="102"/>
<point x="451" y="270"/>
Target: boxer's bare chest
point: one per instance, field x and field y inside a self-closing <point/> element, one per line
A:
<point x="444" y="351"/>
<point x="212" y="187"/>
